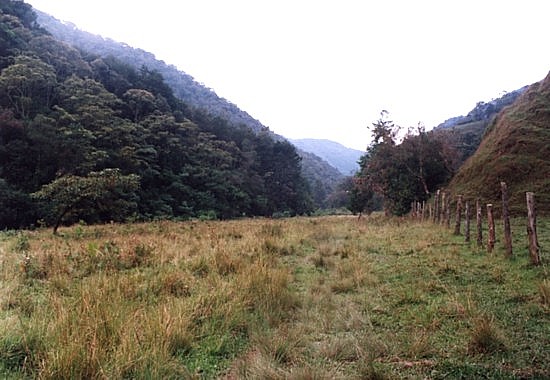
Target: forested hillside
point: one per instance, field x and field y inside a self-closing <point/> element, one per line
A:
<point x="184" y="85"/>
<point x="319" y="175"/>
<point x="515" y="149"/>
<point x="86" y="137"/>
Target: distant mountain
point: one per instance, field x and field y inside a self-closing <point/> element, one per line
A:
<point x="342" y="158"/>
<point x="515" y="149"/>
<point x="323" y="178"/>
<point x="184" y="86"/>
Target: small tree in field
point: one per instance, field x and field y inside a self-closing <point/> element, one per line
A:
<point x="107" y="192"/>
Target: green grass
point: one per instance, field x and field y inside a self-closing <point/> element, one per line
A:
<point x="300" y="298"/>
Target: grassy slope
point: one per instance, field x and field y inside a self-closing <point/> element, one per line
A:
<point x="290" y="299"/>
<point x="516" y="150"/>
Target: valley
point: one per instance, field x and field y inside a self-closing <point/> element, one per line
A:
<point x="150" y="229"/>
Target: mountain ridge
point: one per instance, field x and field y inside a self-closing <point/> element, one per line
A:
<point x="339" y="156"/>
<point x="484" y="111"/>
<point x="464" y="133"/>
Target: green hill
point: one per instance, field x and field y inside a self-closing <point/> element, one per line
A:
<point x="515" y="149"/>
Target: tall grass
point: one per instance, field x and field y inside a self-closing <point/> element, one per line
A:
<point x="164" y="300"/>
<point x="319" y="298"/>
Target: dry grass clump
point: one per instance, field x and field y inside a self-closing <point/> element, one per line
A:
<point x="351" y="275"/>
<point x="544" y="292"/>
<point x="485" y="337"/>
<point x="341" y="349"/>
<point x="265" y="290"/>
<point x="420" y="345"/>
<point x="281" y="347"/>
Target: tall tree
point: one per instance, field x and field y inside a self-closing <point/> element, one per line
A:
<point x="405" y="172"/>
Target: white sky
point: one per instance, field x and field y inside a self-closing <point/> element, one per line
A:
<point x="325" y="69"/>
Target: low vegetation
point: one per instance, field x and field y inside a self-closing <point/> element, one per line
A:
<point x="300" y="298"/>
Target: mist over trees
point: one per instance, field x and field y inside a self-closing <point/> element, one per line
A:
<point x="68" y="117"/>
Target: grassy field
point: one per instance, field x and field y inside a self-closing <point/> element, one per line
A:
<point x="300" y="298"/>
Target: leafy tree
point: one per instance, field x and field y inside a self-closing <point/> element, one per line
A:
<point x="16" y="159"/>
<point x="285" y="187"/>
<point x="22" y="11"/>
<point x="361" y="197"/>
<point x="405" y="172"/>
<point x="141" y="103"/>
<point x="88" y="101"/>
<point x="27" y="85"/>
<point x="61" y="147"/>
<point x="110" y="73"/>
<point x="377" y="172"/>
<point x="428" y="159"/>
<point x="14" y="37"/>
<point x="107" y="192"/>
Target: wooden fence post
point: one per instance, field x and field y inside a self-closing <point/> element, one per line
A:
<point x="458" y="220"/>
<point x="479" y="225"/>
<point x="534" y="251"/>
<point x="491" y="222"/>
<point x="506" y="220"/>
<point x="424" y="213"/>
<point x="448" y="211"/>
<point x="467" y="226"/>
<point x="435" y="217"/>
<point x="442" y="207"/>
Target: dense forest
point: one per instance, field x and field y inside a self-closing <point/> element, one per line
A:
<point x="91" y="138"/>
<point x="321" y="176"/>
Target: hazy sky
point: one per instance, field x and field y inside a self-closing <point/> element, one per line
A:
<point x="325" y="69"/>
